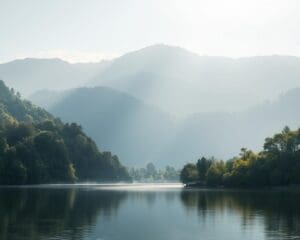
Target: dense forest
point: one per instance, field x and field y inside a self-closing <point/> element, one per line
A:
<point x="277" y="165"/>
<point x="37" y="148"/>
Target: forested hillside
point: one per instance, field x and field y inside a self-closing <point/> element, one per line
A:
<point x="278" y="164"/>
<point x="37" y="148"/>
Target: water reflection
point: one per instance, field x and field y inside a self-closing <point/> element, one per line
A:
<point x="37" y="213"/>
<point x="279" y="211"/>
<point x="121" y="213"/>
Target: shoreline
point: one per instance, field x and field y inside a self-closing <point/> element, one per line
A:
<point x="272" y="188"/>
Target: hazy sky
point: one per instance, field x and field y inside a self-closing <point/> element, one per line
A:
<point x="89" y="30"/>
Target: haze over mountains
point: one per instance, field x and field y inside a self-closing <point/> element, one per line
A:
<point x="137" y="131"/>
<point x="30" y="75"/>
<point x="165" y="104"/>
<point x="174" y="79"/>
<point x="182" y="82"/>
<point x="140" y="133"/>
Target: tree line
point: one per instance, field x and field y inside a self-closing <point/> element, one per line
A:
<point x="278" y="164"/>
<point x="37" y="148"/>
<point x="151" y="174"/>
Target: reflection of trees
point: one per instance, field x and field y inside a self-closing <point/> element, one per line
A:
<point x="280" y="210"/>
<point x="150" y="197"/>
<point x="41" y="213"/>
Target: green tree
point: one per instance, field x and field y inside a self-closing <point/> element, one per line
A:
<point x="203" y="165"/>
<point x="189" y="173"/>
<point x="214" y="175"/>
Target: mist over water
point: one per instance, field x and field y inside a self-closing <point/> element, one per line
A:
<point x="138" y="211"/>
<point x="106" y="106"/>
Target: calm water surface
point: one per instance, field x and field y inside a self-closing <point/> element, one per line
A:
<point x="146" y="212"/>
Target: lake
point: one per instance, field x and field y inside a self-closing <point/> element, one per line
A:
<point x="146" y="212"/>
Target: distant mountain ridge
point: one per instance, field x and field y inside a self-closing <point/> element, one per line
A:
<point x="140" y="133"/>
<point x="176" y="80"/>
<point x="219" y="103"/>
<point x="181" y="82"/>
<point x="118" y="121"/>
<point x="31" y="74"/>
<point x="220" y="134"/>
<point x="48" y="98"/>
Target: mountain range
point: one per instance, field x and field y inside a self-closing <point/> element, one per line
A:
<point x="168" y="105"/>
<point x="181" y="82"/>
<point x="141" y="133"/>
<point x="175" y="80"/>
<point x="30" y="74"/>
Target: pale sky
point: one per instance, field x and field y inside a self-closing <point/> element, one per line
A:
<point x="91" y="30"/>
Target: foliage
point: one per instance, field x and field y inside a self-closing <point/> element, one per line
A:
<point x="215" y="173"/>
<point x="277" y="165"/>
<point x="203" y="165"/>
<point x="37" y="148"/>
<point x="189" y="173"/>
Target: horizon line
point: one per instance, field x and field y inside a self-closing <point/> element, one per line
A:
<point x="108" y="59"/>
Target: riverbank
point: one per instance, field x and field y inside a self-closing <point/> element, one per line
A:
<point x="196" y="185"/>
